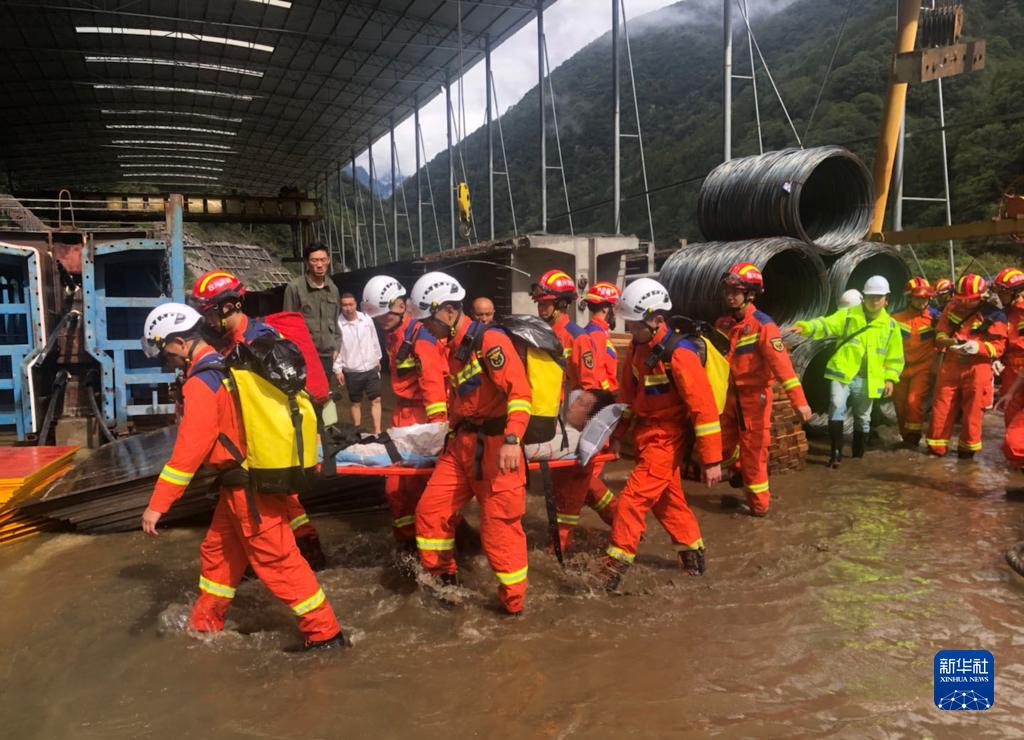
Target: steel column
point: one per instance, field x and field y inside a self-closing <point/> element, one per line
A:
<point x="945" y="178"/>
<point x="490" y="134"/>
<point x="355" y="208"/>
<point x="451" y="158"/>
<point x="419" y="192"/>
<point x="616" y="124"/>
<point x="727" y="89"/>
<point x="373" y="212"/>
<point x="341" y="211"/>
<point x="394" y="189"/>
<point x="542" y="120"/>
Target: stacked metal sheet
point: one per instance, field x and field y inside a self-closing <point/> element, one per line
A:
<point x="26" y="471"/>
<point x="109" y="491"/>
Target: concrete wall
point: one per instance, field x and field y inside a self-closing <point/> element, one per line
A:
<point x="593" y="257"/>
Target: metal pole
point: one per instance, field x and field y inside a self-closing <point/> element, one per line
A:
<point x="394" y="190"/>
<point x="327" y="214"/>
<point x="542" y="120"/>
<point x="373" y="210"/>
<point x="945" y="178"/>
<point x="897" y="175"/>
<point x="341" y="210"/>
<point x="355" y="209"/>
<point x="895" y="100"/>
<point x="419" y="192"/>
<point x="490" y="133"/>
<point x="727" y="89"/>
<point x="451" y="158"/>
<point x="616" y="123"/>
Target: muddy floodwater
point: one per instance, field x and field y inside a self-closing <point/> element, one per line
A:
<point x="823" y="619"/>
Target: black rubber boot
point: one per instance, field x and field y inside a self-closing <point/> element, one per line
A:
<point x="692" y="561"/>
<point x="912" y="440"/>
<point x="835" y="433"/>
<point x="613" y="571"/>
<point x="338" y="641"/>
<point x="965" y="454"/>
<point x="860" y="440"/>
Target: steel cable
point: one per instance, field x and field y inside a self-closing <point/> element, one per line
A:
<point x="794" y="275"/>
<point x="862" y="261"/>
<point x="822" y="195"/>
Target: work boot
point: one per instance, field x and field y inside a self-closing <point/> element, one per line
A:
<point x="309" y="548"/>
<point x="736" y="478"/>
<point x="339" y="640"/>
<point x="912" y="440"/>
<point x="860" y="440"/>
<point x="965" y="454"/>
<point x="835" y="433"/>
<point x="692" y="561"/>
<point x="613" y="570"/>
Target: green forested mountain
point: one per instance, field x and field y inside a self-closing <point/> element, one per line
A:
<point x="677" y="64"/>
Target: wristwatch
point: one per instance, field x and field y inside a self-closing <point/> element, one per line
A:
<point x="511" y="439"/>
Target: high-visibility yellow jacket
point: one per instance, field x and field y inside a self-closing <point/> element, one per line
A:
<point x="881" y="345"/>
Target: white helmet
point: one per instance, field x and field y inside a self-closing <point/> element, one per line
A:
<point x="379" y="294"/>
<point x="850" y="298"/>
<point x="433" y="289"/>
<point x="876" y="285"/>
<point x="641" y="299"/>
<point x="165" y="321"/>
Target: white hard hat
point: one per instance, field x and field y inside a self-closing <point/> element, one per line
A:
<point x="433" y="289"/>
<point x="850" y="298"/>
<point x="379" y="294"/>
<point x="165" y="321"/>
<point x="641" y="299"/>
<point x="876" y="285"/>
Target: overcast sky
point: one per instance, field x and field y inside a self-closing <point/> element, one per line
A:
<point x="569" y="26"/>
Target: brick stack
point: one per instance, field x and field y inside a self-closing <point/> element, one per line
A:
<point x="789" y="442"/>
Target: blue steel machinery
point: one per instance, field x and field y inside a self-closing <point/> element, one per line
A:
<point x="72" y="303"/>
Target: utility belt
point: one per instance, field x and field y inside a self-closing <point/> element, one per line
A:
<point x="493" y="427"/>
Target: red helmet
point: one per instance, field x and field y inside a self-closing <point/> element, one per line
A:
<point x="919" y="287"/>
<point x="602" y="292"/>
<point x="970" y="286"/>
<point x="216" y="287"/>
<point x="554" y="285"/>
<point x="744" y="275"/>
<point x="944" y="286"/>
<point x="1010" y="278"/>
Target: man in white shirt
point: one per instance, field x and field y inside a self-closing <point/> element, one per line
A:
<point x="357" y="364"/>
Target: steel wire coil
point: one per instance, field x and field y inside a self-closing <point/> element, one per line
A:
<point x="822" y="196"/>
<point x="794" y="276"/>
<point x="862" y="261"/>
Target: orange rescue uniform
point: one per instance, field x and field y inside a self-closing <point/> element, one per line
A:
<point x="490" y="398"/>
<point x="234" y="540"/>
<point x="418" y="381"/>
<point x="669" y="400"/>
<point x="1013" y="358"/>
<point x="965" y="381"/>
<point x="918" y="331"/>
<point x="756" y="357"/>
<point x="245" y="332"/>
<point x="577" y="485"/>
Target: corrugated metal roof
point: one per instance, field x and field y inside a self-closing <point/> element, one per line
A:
<point x="260" y="93"/>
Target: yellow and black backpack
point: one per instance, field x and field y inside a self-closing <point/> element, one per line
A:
<point x="542" y="355"/>
<point x="269" y="378"/>
<point x="696" y="336"/>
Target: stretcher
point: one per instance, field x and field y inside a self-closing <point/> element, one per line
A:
<point x="402" y="470"/>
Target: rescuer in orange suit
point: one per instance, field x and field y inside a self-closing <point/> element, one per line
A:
<point x="917" y="324"/>
<point x="574" y="486"/>
<point x="973" y="333"/>
<point x="418" y="382"/>
<point x="756" y="358"/>
<point x="218" y="297"/>
<point x="943" y="293"/>
<point x="236" y="537"/>
<point x="488" y="411"/>
<point x="669" y="395"/>
<point x="1008" y="285"/>
<point x="594" y="360"/>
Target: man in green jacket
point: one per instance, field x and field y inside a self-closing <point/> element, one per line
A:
<point x="865" y="365"/>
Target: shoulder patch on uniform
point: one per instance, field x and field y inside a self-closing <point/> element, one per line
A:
<point x="588" y="360"/>
<point x="495" y="357"/>
<point x="777" y="344"/>
<point x="763" y="317"/>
